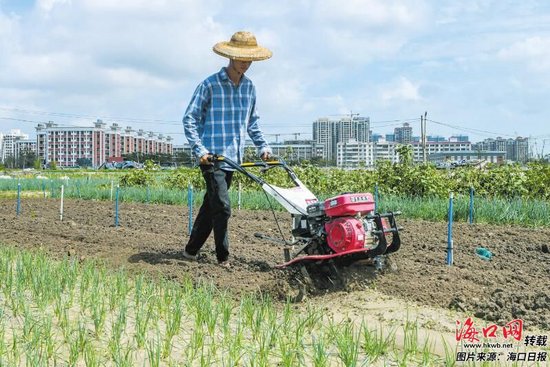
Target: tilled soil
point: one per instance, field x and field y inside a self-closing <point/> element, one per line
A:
<point x="514" y="284"/>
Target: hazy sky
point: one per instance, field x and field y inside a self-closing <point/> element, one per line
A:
<point x="481" y="66"/>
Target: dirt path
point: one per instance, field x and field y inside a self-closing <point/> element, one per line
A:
<point x="513" y="285"/>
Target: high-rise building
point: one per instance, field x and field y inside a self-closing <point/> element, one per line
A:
<point x="329" y="132"/>
<point x="521" y="150"/>
<point x="8" y="143"/>
<point x="403" y="135"/>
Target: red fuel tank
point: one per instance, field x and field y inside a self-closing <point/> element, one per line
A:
<point x="349" y="205"/>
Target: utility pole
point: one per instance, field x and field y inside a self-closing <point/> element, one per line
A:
<point x="424" y="137"/>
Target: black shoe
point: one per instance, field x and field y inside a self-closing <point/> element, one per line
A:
<point x="188" y="256"/>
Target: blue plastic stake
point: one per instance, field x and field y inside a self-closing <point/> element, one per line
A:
<point x="376" y="198"/>
<point x="450" y="232"/>
<point x="190" y="205"/>
<point x="18" y="199"/>
<point x="471" y="214"/>
<point x="116" y="205"/>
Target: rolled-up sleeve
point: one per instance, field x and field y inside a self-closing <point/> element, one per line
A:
<point x="255" y="132"/>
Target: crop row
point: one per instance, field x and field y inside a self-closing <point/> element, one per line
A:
<point x="71" y="313"/>
<point x="529" y="212"/>
<point x="511" y="181"/>
<point x="507" y="181"/>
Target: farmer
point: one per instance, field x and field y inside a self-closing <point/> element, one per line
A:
<point x="221" y="110"/>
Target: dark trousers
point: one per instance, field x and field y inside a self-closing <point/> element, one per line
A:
<point x="214" y="213"/>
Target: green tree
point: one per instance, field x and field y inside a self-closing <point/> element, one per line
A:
<point x="84" y="162"/>
<point x="405" y="154"/>
<point x="150" y="165"/>
<point x="37" y="164"/>
<point x="183" y="159"/>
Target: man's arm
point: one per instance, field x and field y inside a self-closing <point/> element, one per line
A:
<point x="194" y="118"/>
<point x="256" y="134"/>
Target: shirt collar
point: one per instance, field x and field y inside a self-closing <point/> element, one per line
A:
<point x="223" y="73"/>
<point x="224" y="76"/>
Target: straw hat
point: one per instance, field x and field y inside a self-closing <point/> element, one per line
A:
<point x="243" y="47"/>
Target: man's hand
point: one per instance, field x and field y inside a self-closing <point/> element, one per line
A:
<point x="204" y="160"/>
<point x="265" y="156"/>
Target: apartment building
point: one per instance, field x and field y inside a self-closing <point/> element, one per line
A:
<point x="23" y="147"/>
<point x="353" y="154"/>
<point x="356" y="154"/>
<point x="8" y="143"/>
<point x="99" y="143"/>
<point x="296" y="150"/>
<point x="468" y="156"/>
<point x="433" y="147"/>
<point x="385" y="150"/>
<point x="516" y="150"/>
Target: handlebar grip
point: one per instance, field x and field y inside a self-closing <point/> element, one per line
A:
<point x="213" y="158"/>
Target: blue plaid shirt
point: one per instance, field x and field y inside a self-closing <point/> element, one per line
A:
<point x="219" y="115"/>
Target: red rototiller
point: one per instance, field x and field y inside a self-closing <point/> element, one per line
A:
<point x="327" y="234"/>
